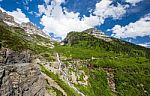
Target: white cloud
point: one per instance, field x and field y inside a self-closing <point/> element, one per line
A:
<point x="47" y="1"/>
<point x="104" y="9"/>
<point x="58" y="20"/>
<point x="62" y="25"/>
<point x="133" y="2"/>
<point x="1" y="0"/>
<point x="2" y="9"/>
<point x="138" y="28"/>
<point x="59" y="1"/>
<point x="19" y="16"/>
<point x="146" y="44"/>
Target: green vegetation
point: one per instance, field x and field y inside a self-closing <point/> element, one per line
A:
<point x="131" y="63"/>
<point x="86" y="41"/>
<point x="16" y="39"/>
<point x="75" y="52"/>
<point x="11" y="39"/>
<point x="54" y="90"/>
<point x="97" y="84"/>
<point x="62" y="84"/>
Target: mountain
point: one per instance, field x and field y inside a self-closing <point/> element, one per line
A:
<point x="91" y="39"/>
<point x="31" y="29"/>
<point x="98" y="34"/>
<point x="87" y="63"/>
<point x="112" y="66"/>
<point x="28" y="27"/>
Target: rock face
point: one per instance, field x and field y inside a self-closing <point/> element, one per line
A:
<point x="31" y="29"/>
<point x="18" y="76"/>
<point x="94" y="31"/>
<point x="21" y="80"/>
<point x="8" y="19"/>
<point x="8" y="56"/>
<point x="98" y="34"/>
<point x="5" y="16"/>
<point x="28" y="27"/>
<point x="74" y="37"/>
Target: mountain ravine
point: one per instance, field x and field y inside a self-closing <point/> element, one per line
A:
<point x="87" y="63"/>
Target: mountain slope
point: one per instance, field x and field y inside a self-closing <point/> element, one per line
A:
<point x="119" y="66"/>
<point x="19" y="48"/>
<point x="87" y="63"/>
<point x="86" y="40"/>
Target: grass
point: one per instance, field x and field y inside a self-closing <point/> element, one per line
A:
<point x="131" y="63"/>
<point x="81" y="53"/>
<point x="53" y="89"/>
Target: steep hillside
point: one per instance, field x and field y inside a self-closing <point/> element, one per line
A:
<point x="19" y="72"/>
<point x="86" y="63"/>
<point x="21" y="56"/>
<point x="89" y="41"/>
<point x="113" y="67"/>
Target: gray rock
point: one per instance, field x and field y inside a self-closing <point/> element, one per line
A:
<point x="18" y="76"/>
<point x="21" y="80"/>
<point x="8" y="56"/>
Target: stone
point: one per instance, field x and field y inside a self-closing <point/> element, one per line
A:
<point x="21" y="80"/>
<point x="19" y="76"/>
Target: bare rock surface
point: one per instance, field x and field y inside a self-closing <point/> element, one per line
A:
<point x="19" y="77"/>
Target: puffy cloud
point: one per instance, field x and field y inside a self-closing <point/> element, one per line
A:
<point x="61" y="26"/>
<point x="138" y="28"/>
<point x="41" y="9"/>
<point x="133" y="2"/>
<point x="105" y="9"/>
<point x="59" y="1"/>
<point x="146" y="44"/>
<point x="19" y="16"/>
<point x="47" y="1"/>
<point x="2" y="9"/>
<point x="58" y="20"/>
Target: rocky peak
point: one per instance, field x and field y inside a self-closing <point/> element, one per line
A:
<point x="32" y="29"/>
<point x="7" y="19"/>
<point x="98" y="34"/>
<point x="28" y="27"/>
<point x="94" y="31"/>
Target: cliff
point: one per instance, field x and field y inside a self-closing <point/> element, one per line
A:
<point x="19" y="78"/>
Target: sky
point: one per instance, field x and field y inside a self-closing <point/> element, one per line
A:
<point x="124" y="19"/>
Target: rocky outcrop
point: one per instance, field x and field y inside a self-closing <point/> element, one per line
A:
<point x="32" y="29"/>
<point x="75" y="37"/>
<point x="28" y="27"/>
<point x="21" y="80"/>
<point x="94" y="31"/>
<point x="110" y="79"/>
<point x="5" y="16"/>
<point x="8" y="19"/>
<point x="98" y="34"/>
<point x="8" y="56"/>
<point x="18" y="76"/>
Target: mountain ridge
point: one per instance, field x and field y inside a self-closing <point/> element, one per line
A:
<point x="28" y="27"/>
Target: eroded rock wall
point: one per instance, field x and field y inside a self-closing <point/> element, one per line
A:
<point x="19" y="76"/>
<point x="21" y="80"/>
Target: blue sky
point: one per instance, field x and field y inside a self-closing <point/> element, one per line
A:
<point x="124" y="19"/>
